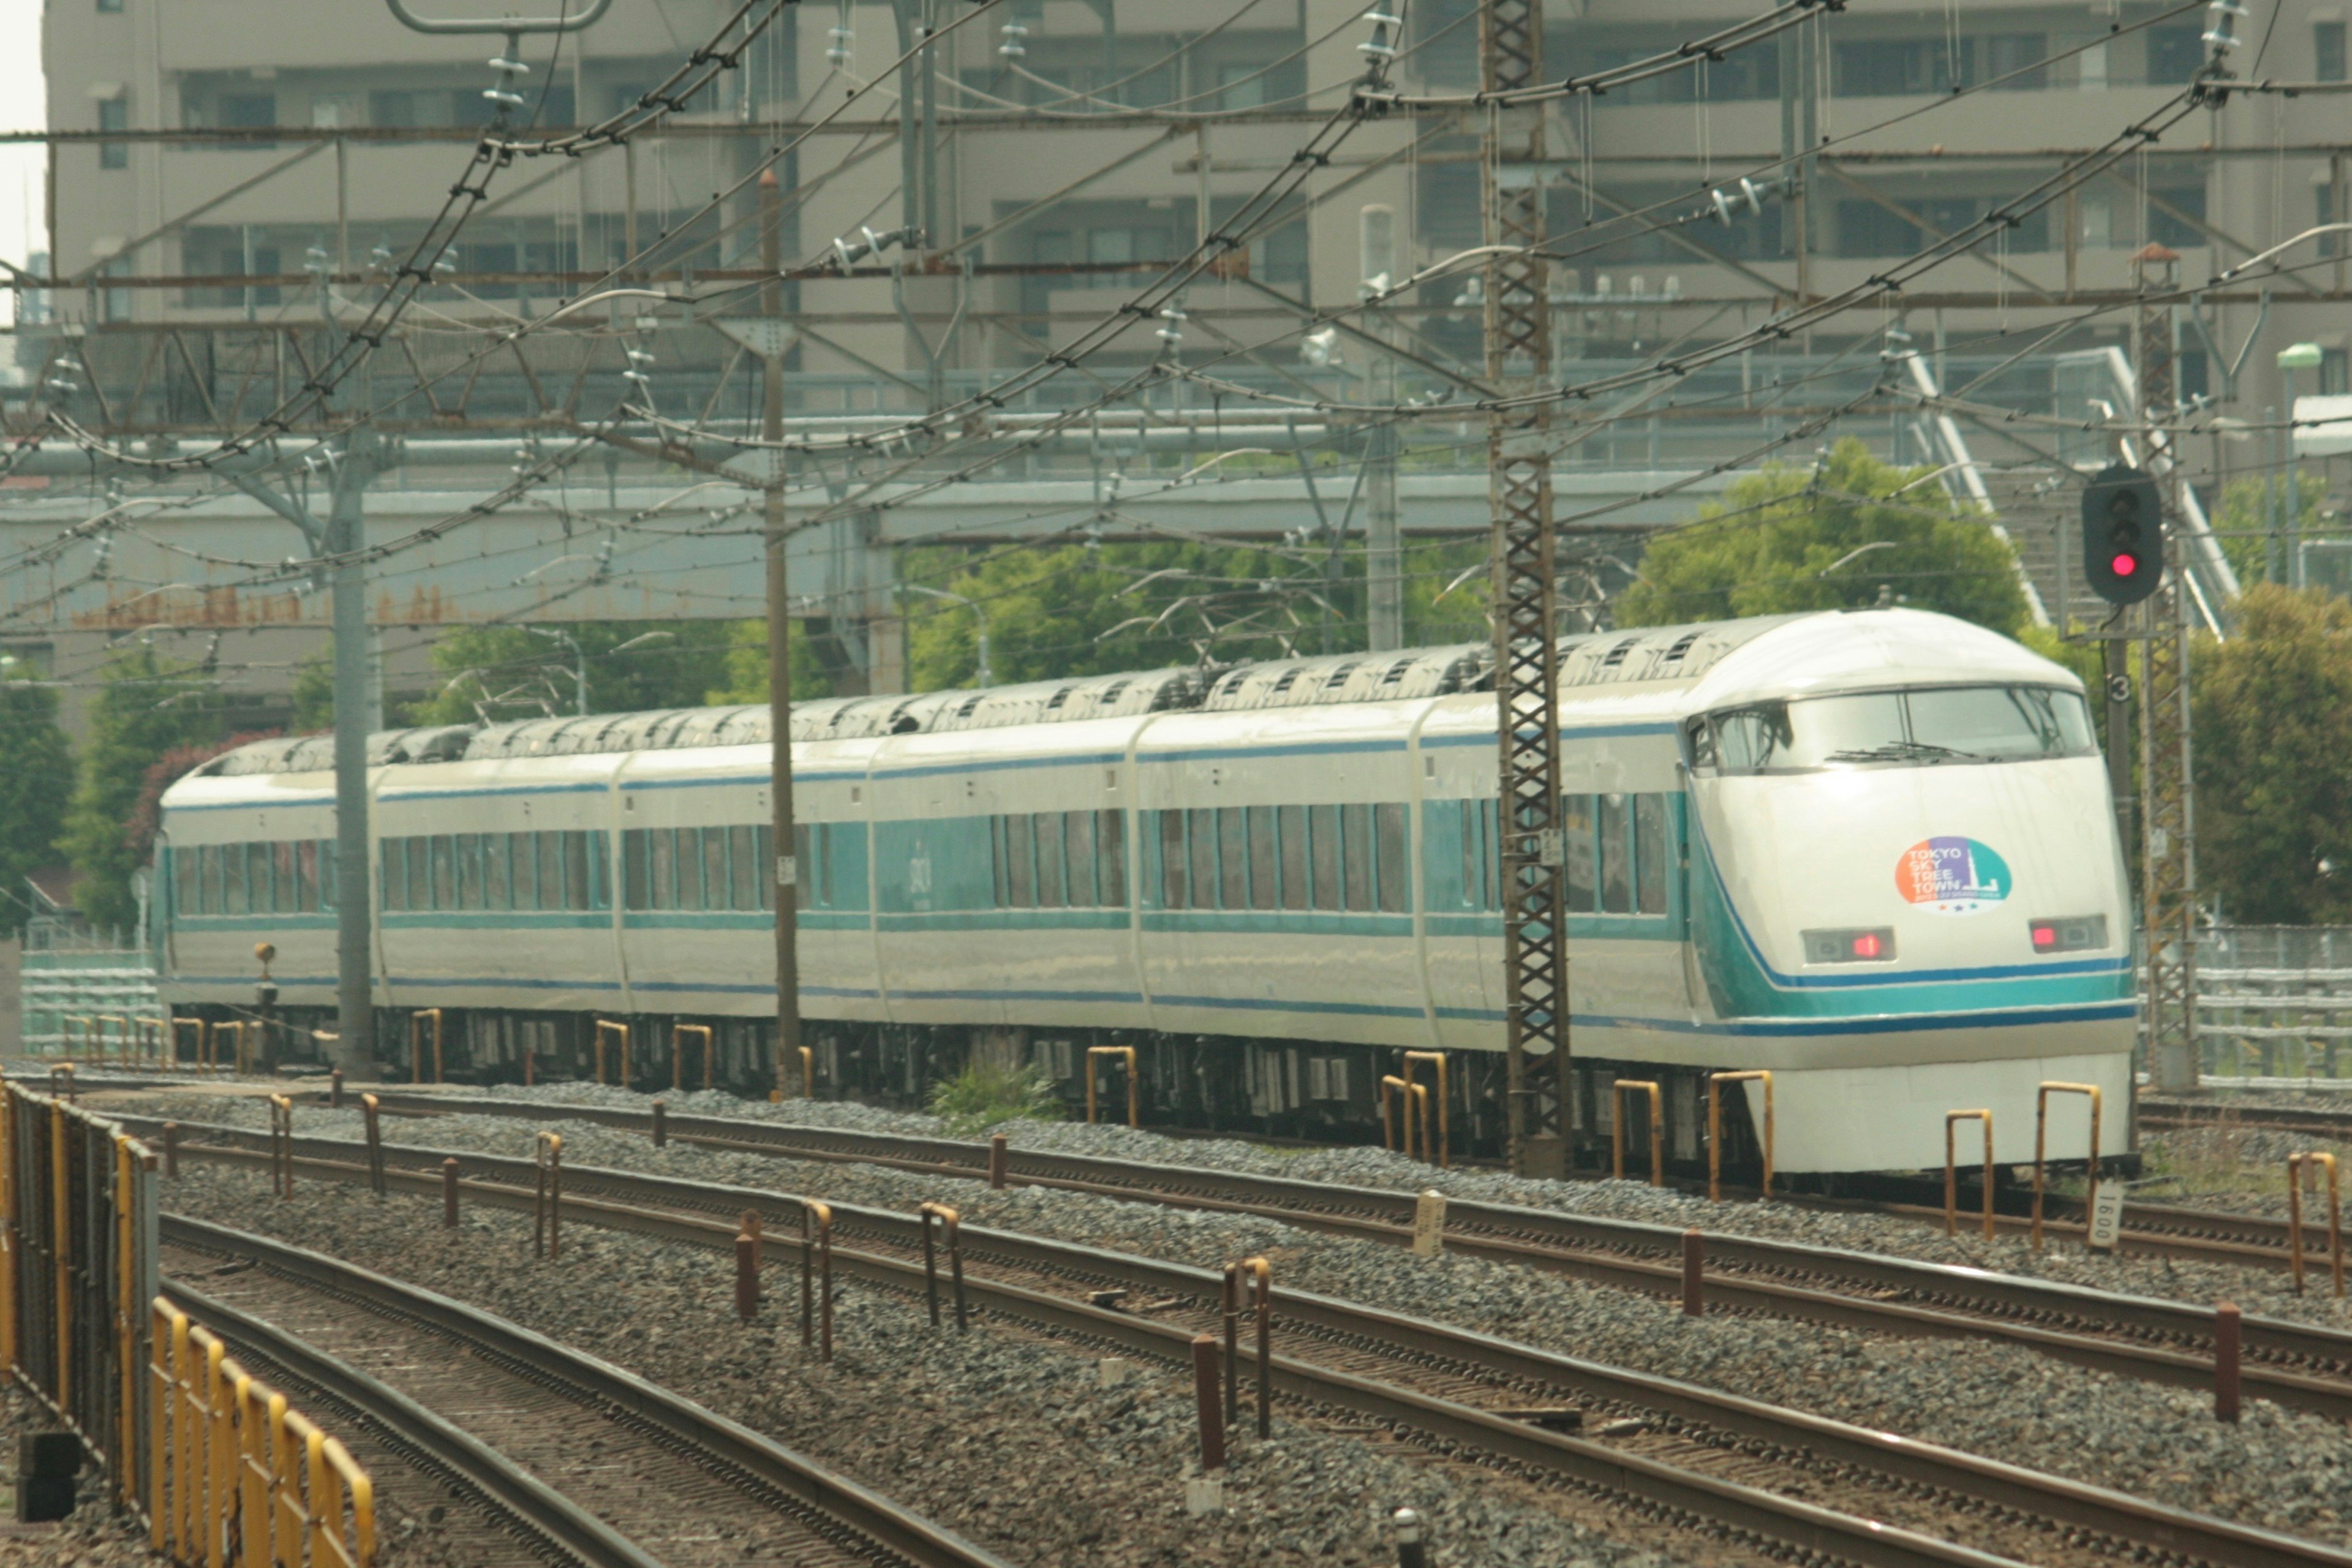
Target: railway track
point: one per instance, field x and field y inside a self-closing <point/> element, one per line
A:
<point x="2160" y="1111"/>
<point x="574" y="1459"/>
<point x="2297" y="1364"/>
<point x="1788" y="1483"/>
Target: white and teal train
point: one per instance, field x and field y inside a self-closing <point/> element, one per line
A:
<point x="1870" y="851"/>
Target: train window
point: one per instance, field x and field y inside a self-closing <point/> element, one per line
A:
<point x="1174" y="882"/>
<point x="184" y="881"/>
<point x="636" y="878"/>
<point x="661" y="874"/>
<point x="715" y="895"/>
<point x="1263" y="865"/>
<point x="584" y="881"/>
<point x="305" y="875"/>
<point x="804" y="853"/>
<point x="1577" y="850"/>
<point x="208" y="876"/>
<point x="1323" y="850"/>
<point x="743" y="880"/>
<point x="550" y="871"/>
<point x="1232" y="892"/>
<point x="1698" y="736"/>
<point x="1290" y="834"/>
<point x="763" y="839"/>
<point x="445" y="872"/>
<point x="1650" y="853"/>
<point x="1616" y="844"/>
<point x="1749" y="738"/>
<point x="392" y="874"/>
<point x="233" y="879"/>
<point x="468" y="852"/>
<point x="326" y="873"/>
<point x="1078" y="836"/>
<point x="1392" y="858"/>
<point x="2001" y="723"/>
<point x="1356" y="854"/>
<point x="1053" y="893"/>
<point x="1110" y="849"/>
<point x="1200" y="826"/>
<point x="1472" y="826"/>
<point x="1020" y="863"/>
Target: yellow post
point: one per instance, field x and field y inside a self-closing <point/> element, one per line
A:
<point x="2040" y="1130"/>
<point x="61" y="1251"/>
<point x="1134" y="1090"/>
<point x="1445" y="1109"/>
<point x="2296" y="1167"/>
<point x="612" y="1026"/>
<point x="1714" y="1083"/>
<point x="10" y="1238"/>
<point x="677" y="1033"/>
<point x="1390" y="1082"/>
<point x="1952" y="1170"/>
<point x="1618" y="1088"/>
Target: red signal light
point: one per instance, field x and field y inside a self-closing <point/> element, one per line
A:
<point x="2125" y="565"/>
<point x="2045" y="936"/>
<point x="1867" y="945"/>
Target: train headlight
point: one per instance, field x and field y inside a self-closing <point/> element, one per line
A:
<point x="2068" y="933"/>
<point x="1873" y="944"/>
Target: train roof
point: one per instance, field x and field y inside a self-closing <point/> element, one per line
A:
<point x="1680" y="655"/>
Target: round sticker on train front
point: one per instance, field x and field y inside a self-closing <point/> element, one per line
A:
<point x="1952" y="876"/>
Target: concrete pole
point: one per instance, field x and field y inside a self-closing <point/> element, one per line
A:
<point x="354" y="1050"/>
<point x="780" y="645"/>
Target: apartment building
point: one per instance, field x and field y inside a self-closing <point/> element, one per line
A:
<point x="1053" y="151"/>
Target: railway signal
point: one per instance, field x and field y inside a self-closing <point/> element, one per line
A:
<point x="2123" y="536"/>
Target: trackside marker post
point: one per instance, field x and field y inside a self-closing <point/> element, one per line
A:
<point x="1693" y="1274"/>
<point x="1428" y="1224"/>
<point x="2226" y="1344"/>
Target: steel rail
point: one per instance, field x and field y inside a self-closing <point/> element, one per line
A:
<point x="1616" y="1251"/>
<point x="2317" y="1120"/>
<point x="590" y="1193"/>
<point x="522" y="1500"/>
<point x="875" y="1519"/>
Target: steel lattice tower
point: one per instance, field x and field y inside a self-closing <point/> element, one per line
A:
<point x="2168" y="808"/>
<point x="1527" y="665"/>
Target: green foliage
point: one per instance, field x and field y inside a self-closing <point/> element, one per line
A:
<point x="2242" y="521"/>
<point x="1784" y="539"/>
<point x="35" y="783"/>
<point x="145" y="709"/>
<point x="745" y="666"/>
<point x="2274" y="724"/>
<point x="1080" y="611"/>
<point x="314" y="691"/>
<point x="981" y="1097"/>
<point x="511" y="672"/>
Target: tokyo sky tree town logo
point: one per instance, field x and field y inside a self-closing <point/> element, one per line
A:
<point x="1952" y="876"/>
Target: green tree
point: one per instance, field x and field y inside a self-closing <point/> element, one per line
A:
<point x="514" y="672"/>
<point x="145" y="709"/>
<point x="745" y="666"/>
<point x="33" y="787"/>
<point x="2243" y="523"/>
<point x="2273" y="714"/>
<point x="1794" y="539"/>
<point x="314" y="691"/>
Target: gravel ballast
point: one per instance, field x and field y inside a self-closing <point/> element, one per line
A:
<point x="1016" y="1443"/>
<point x="2278" y="1468"/>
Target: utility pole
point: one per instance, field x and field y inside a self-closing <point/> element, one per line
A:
<point x="2168" y="802"/>
<point x="354" y="1050"/>
<point x="354" y="462"/>
<point x="1526" y="663"/>
<point x="1383" y="531"/>
<point x="780" y="635"/>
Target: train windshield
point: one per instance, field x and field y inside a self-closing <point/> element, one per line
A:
<point x="1923" y="728"/>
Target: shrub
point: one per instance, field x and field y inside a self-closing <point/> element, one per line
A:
<point x="982" y="1096"/>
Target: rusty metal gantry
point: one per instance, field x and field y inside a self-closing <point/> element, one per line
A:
<point x="2168" y="804"/>
<point x="1526" y="666"/>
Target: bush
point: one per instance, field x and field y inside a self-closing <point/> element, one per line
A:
<point x="981" y="1097"/>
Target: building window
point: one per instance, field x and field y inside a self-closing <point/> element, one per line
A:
<point x="2327" y="51"/>
<point x="109" y="5"/>
<point x="113" y="114"/>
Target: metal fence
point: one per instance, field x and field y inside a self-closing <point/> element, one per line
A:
<point x="2274" y="1002"/>
<point x="81" y="986"/>
<point x="77" y="1269"/>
